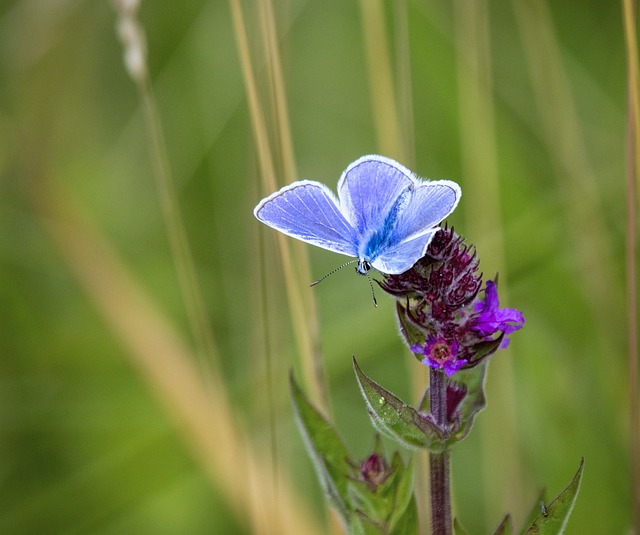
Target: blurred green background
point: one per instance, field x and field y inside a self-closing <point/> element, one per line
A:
<point x="523" y="103"/>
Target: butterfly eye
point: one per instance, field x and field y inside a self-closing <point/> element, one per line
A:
<point x="363" y="267"/>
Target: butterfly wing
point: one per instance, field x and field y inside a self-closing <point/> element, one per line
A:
<point x="309" y="211"/>
<point x="403" y="256"/>
<point x="369" y="189"/>
<point x="428" y="204"/>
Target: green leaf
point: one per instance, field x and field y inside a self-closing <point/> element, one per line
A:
<point x="362" y="525"/>
<point x="403" y="497"/>
<point x="505" y="527"/>
<point x="329" y="455"/>
<point x="458" y="529"/>
<point x="535" y="511"/>
<point x="407" y="524"/>
<point x="395" y="419"/>
<point x="554" y="517"/>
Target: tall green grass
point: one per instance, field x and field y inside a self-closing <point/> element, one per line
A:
<point x="121" y="265"/>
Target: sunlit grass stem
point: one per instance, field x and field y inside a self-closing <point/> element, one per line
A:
<point x="285" y="155"/>
<point x="633" y="175"/>
<point x="231" y="459"/>
<point x="563" y="134"/>
<point x="404" y="89"/>
<point x="296" y="273"/>
<point x="381" y="82"/>
<point x="163" y="358"/>
<point x="183" y="258"/>
<point x="134" y="43"/>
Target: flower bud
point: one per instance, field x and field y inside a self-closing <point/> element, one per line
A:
<point x="373" y="470"/>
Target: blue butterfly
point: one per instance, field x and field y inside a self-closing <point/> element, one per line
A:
<point x="384" y="215"/>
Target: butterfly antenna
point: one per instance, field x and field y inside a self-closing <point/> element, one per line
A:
<point x="373" y="294"/>
<point x="332" y="272"/>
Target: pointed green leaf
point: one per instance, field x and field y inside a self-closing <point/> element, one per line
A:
<point x="407" y="524"/>
<point x="403" y="496"/>
<point x="458" y="529"/>
<point x="505" y="527"/>
<point x="329" y="455"/>
<point x="362" y="525"/>
<point x="535" y="511"/>
<point x="395" y="419"/>
<point x="554" y="517"/>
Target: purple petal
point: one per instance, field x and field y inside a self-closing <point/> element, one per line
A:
<point x="432" y="364"/>
<point x="510" y="320"/>
<point x="506" y="320"/>
<point x="490" y="301"/>
<point x="492" y="318"/>
<point x="452" y="366"/>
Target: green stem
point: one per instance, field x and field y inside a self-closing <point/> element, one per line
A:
<point x="439" y="471"/>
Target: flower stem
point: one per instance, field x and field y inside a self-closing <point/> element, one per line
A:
<point x="441" y="522"/>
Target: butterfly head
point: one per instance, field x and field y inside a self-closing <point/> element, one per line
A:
<point x="363" y="267"/>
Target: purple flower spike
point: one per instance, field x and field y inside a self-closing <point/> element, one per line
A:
<point x="440" y="354"/>
<point x="491" y="318"/>
<point x="443" y="314"/>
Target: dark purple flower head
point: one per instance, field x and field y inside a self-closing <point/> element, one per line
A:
<point x="445" y="276"/>
<point x="441" y="315"/>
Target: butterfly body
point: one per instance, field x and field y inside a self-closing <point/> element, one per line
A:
<point x="384" y="215"/>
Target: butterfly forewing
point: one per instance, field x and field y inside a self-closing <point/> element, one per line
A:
<point x="308" y="211"/>
<point x="369" y="189"/>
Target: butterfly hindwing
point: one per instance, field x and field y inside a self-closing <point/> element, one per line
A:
<point x="430" y="203"/>
<point x="400" y="258"/>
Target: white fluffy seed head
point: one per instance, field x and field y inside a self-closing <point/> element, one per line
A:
<point x="133" y="40"/>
